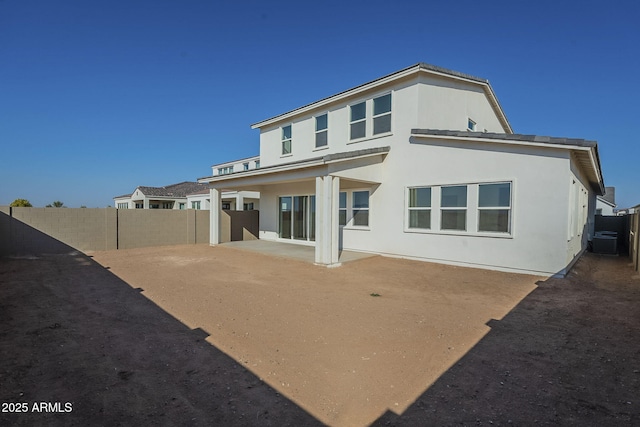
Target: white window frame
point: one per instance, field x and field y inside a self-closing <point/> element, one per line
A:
<point x="195" y="205"/>
<point x="464" y="208"/>
<point x="245" y="166"/>
<point x="495" y="208"/>
<point x="472" y="210"/>
<point x="319" y="132"/>
<point x="364" y="119"/>
<point x="284" y="141"/>
<point x="417" y="208"/>
<point x="350" y="209"/>
<point x="386" y="113"/>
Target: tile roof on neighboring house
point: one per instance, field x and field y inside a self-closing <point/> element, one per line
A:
<point x="174" y="190"/>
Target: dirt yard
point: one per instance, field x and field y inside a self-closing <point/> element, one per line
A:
<point x="194" y="335"/>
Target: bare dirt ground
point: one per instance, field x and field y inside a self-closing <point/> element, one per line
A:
<point x="194" y="335"/>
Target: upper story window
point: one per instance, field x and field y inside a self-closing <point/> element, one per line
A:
<point x="358" y="127"/>
<point x="471" y="125"/>
<point x="453" y="203"/>
<point x="382" y="114"/>
<point x="322" y="133"/>
<point x="494" y="207"/>
<point x="420" y="208"/>
<point x="257" y="164"/>
<point x="225" y="170"/>
<point x="286" y="140"/>
<point x="374" y="114"/>
<point x="245" y="166"/>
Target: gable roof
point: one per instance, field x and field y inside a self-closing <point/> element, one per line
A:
<point x="586" y="150"/>
<point x="414" y="69"/>
<point x="178" y="190"/>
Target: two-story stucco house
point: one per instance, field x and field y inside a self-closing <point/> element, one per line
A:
<point x="420" y="164"/>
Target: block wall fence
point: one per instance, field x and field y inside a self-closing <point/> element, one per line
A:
<point x="59" y="230"/>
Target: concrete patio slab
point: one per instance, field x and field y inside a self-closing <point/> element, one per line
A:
<point x="291" y="250"/>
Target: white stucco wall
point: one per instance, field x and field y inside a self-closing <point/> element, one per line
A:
<point x="606" y="209"/>
<point x="417" y="102"/>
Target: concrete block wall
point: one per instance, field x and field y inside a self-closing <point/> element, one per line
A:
<point x="62" y="230"/>
<point x="57" y="230"/>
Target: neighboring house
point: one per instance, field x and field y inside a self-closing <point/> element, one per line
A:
<point x="420" y="164"/>
<point x="606" y="204"/>
<point x="194" y="195"/>
<point x="238" y="200"/>
<point x="172" y="196"/>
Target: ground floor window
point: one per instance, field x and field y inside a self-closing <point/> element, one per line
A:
<point x="297" y="217"/>
<point x="474" y="208"/>
<point x="139" y="205"/>
<point x="248" y="206"/>
<point x="494" y="207"/>
<point x="123" y="205"/>
<point x="419" y="209"/>
<point x="195" y="205"/>
<point x="353" y="208"/>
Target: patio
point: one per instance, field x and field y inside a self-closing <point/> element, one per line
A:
<point x="291" y="250"/>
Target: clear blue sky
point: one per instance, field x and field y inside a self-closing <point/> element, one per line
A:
<point x="98" y="97"/>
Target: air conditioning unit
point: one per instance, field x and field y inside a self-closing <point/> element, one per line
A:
<point x="605" y="242"/>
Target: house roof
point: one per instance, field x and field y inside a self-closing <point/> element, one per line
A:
<point x="586" y="150"/>
<point x="311" y="162"/>
<point x="609" y="195"/>
<point x="417" y="68"/>
<point x="174" y="190"/>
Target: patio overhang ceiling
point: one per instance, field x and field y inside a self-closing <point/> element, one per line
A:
<point x="359" y="165"/>
<point x="585" y="152"/>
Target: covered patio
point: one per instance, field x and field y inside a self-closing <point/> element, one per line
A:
<point x="300" y="201"/>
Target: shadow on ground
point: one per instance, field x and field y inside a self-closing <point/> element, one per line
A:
<point x="71" y="332"/>
<point x="568" y="356"/>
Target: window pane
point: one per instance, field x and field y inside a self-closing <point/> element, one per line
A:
<point x="382" y="105"/>
<point x="382" y="124"/>
<point x="285" y="217"/>
<point x="358" y="130"/>
<point x="455" y="219"/>
<point x="494" y="220"/>
<point x="342" y="217"/>
<point x="454" y="197"/>
<point x="420" y="218"/>
<point x="360" y="199"/>
<point x="321" y="139"/>
<point x="312" y="218"/>
<point x="358" y="111"/>
<point x="286" y="132"/>
<point x="286" y="147"/>
<point x="361" y="217"/>
<point x="493" y="195"/>
<point x="420" y="197"/>
<point x="321" y="122"/>
<point x="343" y="200"/>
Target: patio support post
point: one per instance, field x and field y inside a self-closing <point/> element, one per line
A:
<point x="327" y="198"/>
<point x="214" y="216"/>
<point x="335" y="228"/>
<point x="239" y="202"/>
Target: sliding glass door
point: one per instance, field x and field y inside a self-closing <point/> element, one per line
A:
<point x="297" y="216"/>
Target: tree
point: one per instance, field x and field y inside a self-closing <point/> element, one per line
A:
<point x="56" y="204"/>
<point x="21" y="203"/>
